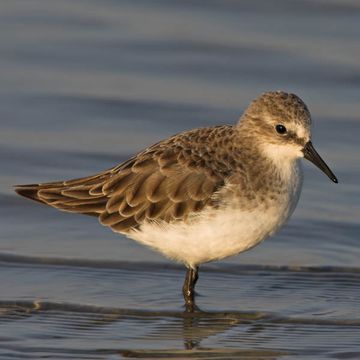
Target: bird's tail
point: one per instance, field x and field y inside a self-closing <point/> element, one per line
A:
<point x="29" y="191"/>
<point x="82" y="195"/>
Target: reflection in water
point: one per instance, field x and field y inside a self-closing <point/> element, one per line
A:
<point x="192" y="328"/>
<point x="201" y="334"/>
<point x="202" y="325"/>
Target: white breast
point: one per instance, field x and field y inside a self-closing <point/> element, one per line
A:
<point x="217" y="234"/>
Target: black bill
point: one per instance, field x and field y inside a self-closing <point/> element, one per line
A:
<point x="311" y="155"/>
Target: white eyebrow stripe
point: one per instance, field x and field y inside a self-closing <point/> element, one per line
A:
<point x="301" y="133"/>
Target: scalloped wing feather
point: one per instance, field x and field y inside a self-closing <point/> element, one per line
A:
<point x="166" y="182"/>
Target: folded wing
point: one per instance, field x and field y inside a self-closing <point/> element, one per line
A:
<point x="167" y="182"/>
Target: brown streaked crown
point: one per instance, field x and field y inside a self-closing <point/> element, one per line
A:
<point x="271" y="109"/>
<point x="281" y="106"/>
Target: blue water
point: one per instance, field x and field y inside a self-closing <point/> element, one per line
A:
<point x="84" y="85"/>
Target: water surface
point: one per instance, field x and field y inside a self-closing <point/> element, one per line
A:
<point x="84" y="85"/>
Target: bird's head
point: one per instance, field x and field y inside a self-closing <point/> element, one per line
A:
<point x="280" y="123"/>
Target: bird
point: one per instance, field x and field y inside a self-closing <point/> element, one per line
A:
<point x="204" y="194"/>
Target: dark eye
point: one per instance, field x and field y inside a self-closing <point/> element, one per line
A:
<point x="281" y="129"/>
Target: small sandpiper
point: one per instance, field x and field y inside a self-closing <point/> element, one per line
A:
<point x="204" y="194"/>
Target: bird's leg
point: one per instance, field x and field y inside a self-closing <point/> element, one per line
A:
<point x="188" y="288"/>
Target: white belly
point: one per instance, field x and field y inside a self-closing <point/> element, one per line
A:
<point x="217" y="234"/>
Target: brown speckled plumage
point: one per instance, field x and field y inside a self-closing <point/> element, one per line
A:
<point x="167" y="181"/>
<point x="204" y="194"/>
<point x="183" y="174"/>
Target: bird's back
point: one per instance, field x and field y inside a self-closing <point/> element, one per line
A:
<point x="166" y="182"/>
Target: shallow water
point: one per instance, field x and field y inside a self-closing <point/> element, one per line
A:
<point x="83" y="85"/>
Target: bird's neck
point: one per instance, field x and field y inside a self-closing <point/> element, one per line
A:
<point x="266" y="167"/>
